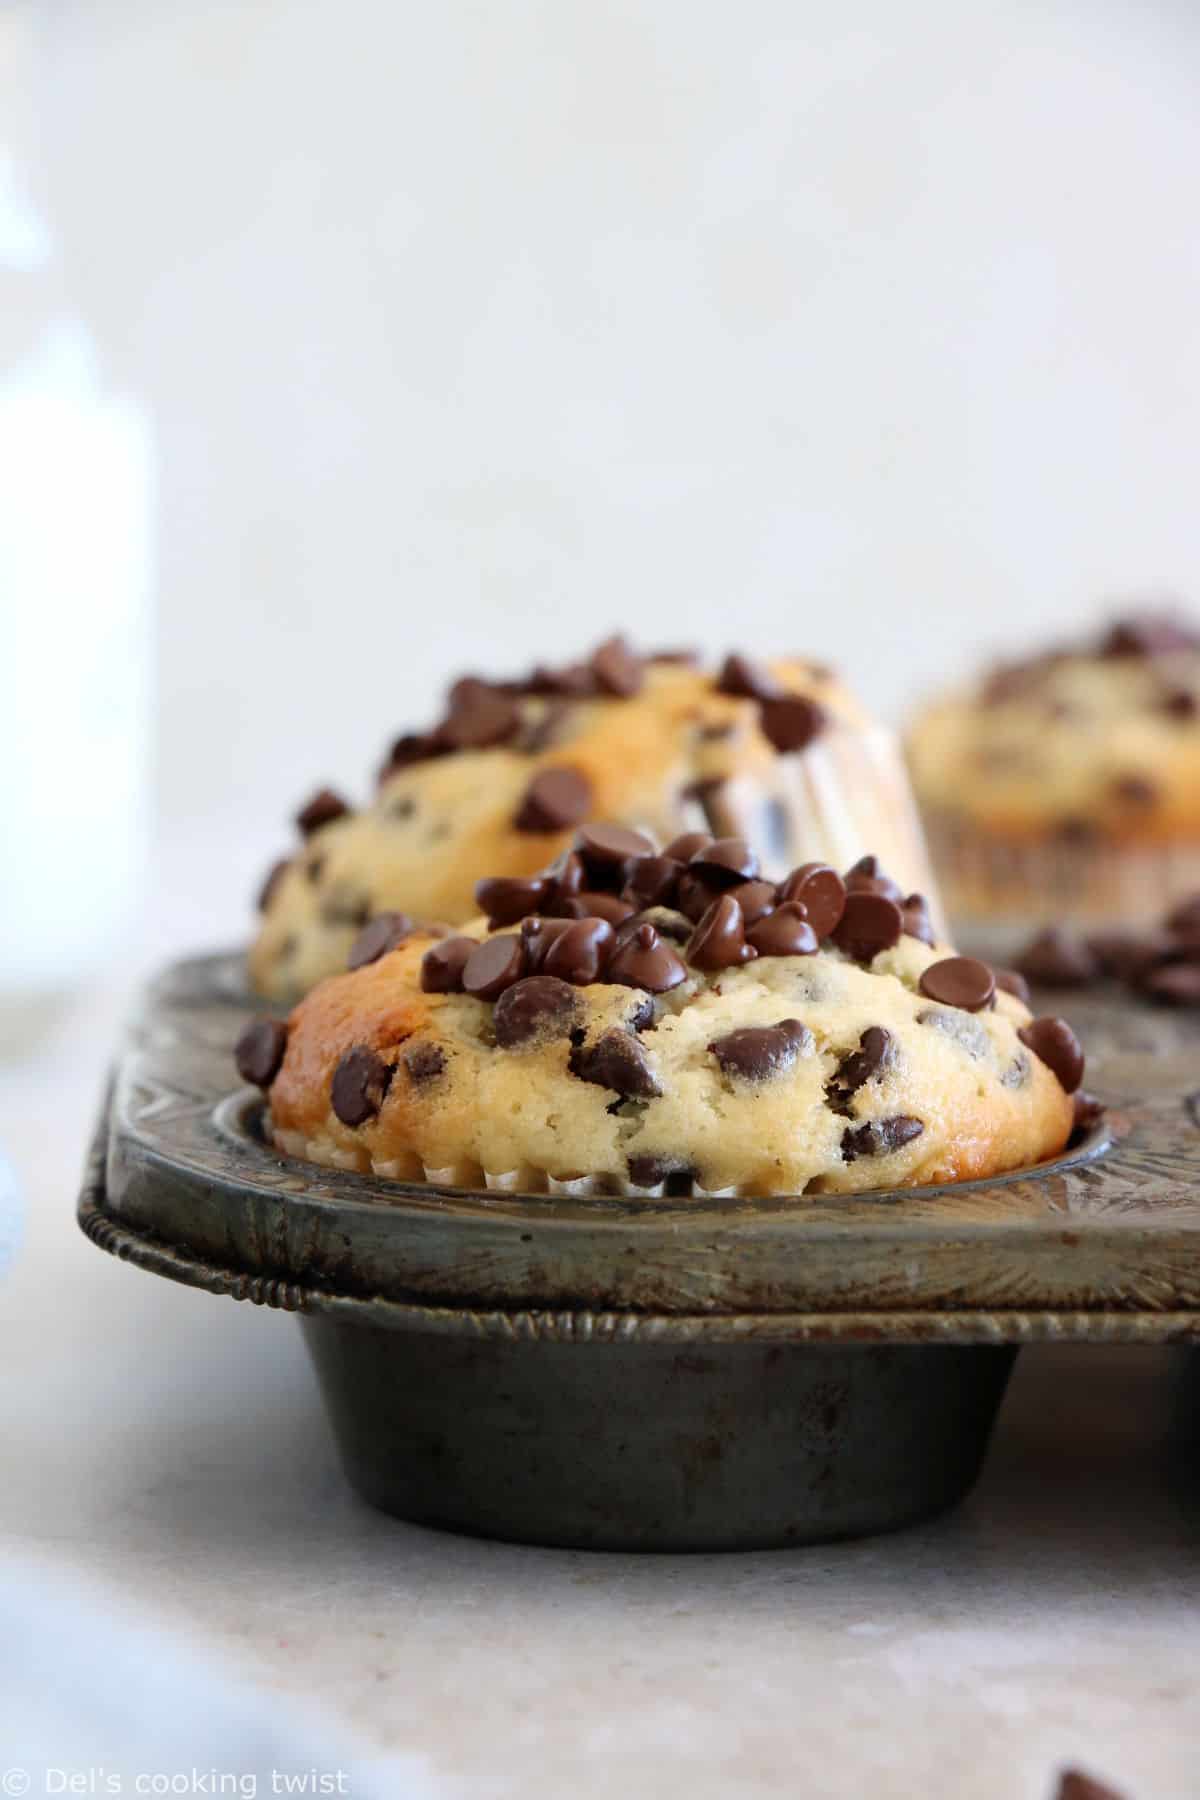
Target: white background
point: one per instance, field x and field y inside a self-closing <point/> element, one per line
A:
<point x="470" y="330"/>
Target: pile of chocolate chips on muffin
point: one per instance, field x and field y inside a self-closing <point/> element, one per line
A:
<point x="613" y="908"/>
<point x="1161" y="964"/>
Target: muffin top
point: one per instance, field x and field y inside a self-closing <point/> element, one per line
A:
<point x="1096" y="741"/>
<point x="634" y="1020"/>
<point x="514" y="767"/>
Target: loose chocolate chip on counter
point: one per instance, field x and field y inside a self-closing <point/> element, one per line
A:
<point x="1135" y="790"/>
<point x="324" y="807"/>
<point x="423" y="1061"/>
<point x="537" y="1008"/>
<point x="784" y="932"/>
<point x="360" y="1084"/>
<point x="917" y="923"/>
<point x="959" y="981"/>
<point x="493" y="966"/>
<point x="578" y="953"/>
<point x="880" y="1137"/>
<point x="1088" y="1112"/>
<point x="609" y="847"/>
<point x="719" y="940"/>
<point x="868" y="876"/>
<point x="822" y="893"/>
<point x="616" y="1060"/>
<point x="507" y="898"/>
<point x="726" y="860"/>
<point x="1054" y="1043"/>
<point x="381" y="934"/>
<point x="617" y="670"/>
<point x="270" y="886"/>
<point x="1175" y="984"/>
<point x="875" y="1055"/>
<point x="479" y="718"/>
<point x="869" y="924"/>
<point x="1057" y="958"/>
<point x="259" y="1051"/>
<point x="442" y="965"/>
<point x="792" y="722"/>
<point x="647" y="1170"/>
<point x="683" y="848"/>
<point x="651" y="880"/>
<point x="745" y="680"/>
<point x="758" y="1052"/>
<point x="554" y="798"/>
<point x="645" y="961"/>
<point x="1011" y="981"/>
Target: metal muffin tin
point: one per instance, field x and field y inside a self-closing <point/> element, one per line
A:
<point x="656" y="1373"/>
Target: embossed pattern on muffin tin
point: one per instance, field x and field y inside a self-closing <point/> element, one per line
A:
<point x="657" y="1373"/>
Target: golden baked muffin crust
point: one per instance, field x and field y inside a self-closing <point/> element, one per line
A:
<point x="670" y="1019"/>
<point x="781" y="752"/>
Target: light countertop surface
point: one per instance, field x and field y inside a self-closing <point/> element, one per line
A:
<point x="173" y="1445"/>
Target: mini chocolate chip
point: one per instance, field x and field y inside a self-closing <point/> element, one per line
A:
<point x="917" y="923"/>
<point x="1057" y="958"/>
<point x="1151" y="633"/>
<point x="538" y="1008"/>
<point x="410" y="748"/>
<point x="617" y="670"/>
<point x="1181" y="703"/>
<point x="745" y="680"/>
<point x="963" y="1027"/>
<point x="479" y="718"/>
<point x="360" y="1084"/>
<point x="651" y="880"/>
<point x="554" y="798"/>
<point x="683" y="848"/>
<point x="610" y="846"/>
<point x="869" y="924"/>
<point x="875" y="1054"/>
<point x="715" y="731"/>
<point x="644" y="961"/>
<point x="507" y="898"/>
<point x="719" y="940"/>
<point x="616" y="1060"/>
<point x="259" y="1051"/>
<point x="784" y="932"/>
<point x="756" y="899"/>
<point x="575" y="681"/>
<point x="270" y="886"/>
<point x="579" y="952"/>
<point x="822" y="893"/>
<point x="1135" y="790"/>
<point x="1016" y="1074"/>
<point x="493" y="966"/>
<point x="423" y="1061"/>
<point x="960" y="981"/>
<point x="792" y="722"/>
<point x="641" y="1015"/>
<point x="597" y="906"/>
<point x="758" y="1052"/>
<point x="880" y="1137"/>
<point x="538" y="934"/>
<point x="1176" y="984"/>
<point x="868" y="876"/>
<point x="1088" y="1112"/>
<point x="726" y="860"/>
<point x="1011" y="981"/>
<point x="647" y="1170"/>
<point x="1054" y="1043"/>
<point x="324" y="807"/>
<point x="383" y="933"/>
<point x="442" y="965"/>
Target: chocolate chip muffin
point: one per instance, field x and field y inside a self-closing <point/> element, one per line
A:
<point x="637" y="1020"/>
<point x="1068" y="785"/>
<point x="779" y="752"/>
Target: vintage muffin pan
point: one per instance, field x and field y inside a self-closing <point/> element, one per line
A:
<point x="655" y="1372"/>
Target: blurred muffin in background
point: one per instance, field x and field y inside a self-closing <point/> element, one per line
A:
<point x="1067" y="785"/>
<point x="779" y="752"/>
